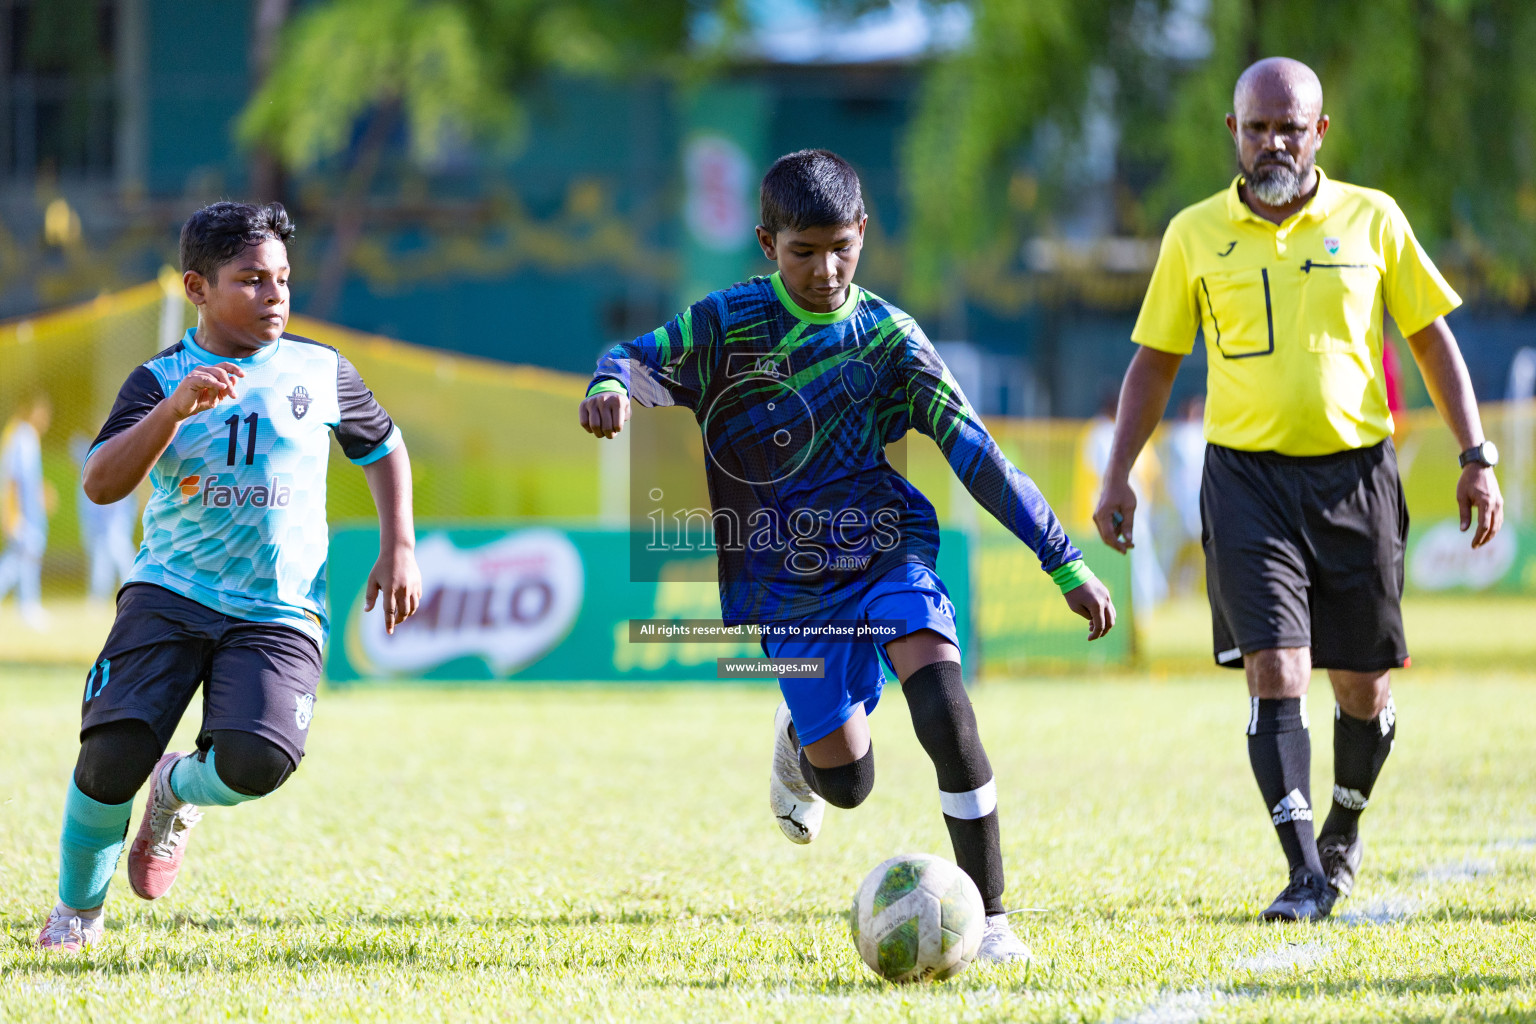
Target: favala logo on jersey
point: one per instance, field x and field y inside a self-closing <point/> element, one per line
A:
<point x="222" y="491"/>
<point x="509" y="602"/>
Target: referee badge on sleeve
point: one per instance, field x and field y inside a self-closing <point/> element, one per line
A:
<point x="1332" y="245"/>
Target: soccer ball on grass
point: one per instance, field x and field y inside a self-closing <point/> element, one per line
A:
<point x="917" y="917"/>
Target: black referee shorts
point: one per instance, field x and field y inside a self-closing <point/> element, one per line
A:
<point x="1306" y="552"/>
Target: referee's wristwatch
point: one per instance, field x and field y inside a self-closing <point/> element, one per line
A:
<point x="1485" y="454"/>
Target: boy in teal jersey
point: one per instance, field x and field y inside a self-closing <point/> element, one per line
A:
<point x="232" y="426"/>
<point x="798" y="382"/>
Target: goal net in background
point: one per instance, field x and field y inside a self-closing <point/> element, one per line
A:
<point x="493" y="443"/>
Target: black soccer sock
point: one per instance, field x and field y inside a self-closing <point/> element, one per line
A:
<point x="845" y="786"/>
<point x="1360" y="748"/>
<point x="1280" y="750"/>
<point x="946" y="727"/>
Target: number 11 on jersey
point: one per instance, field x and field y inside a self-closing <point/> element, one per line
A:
<point x="250" y="438"/>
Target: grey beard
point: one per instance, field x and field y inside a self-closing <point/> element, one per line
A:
<point x="1275" y="185"/>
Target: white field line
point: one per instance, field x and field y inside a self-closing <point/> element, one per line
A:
<point x="1513" y="844"/>
<point x="1383" y="909"/>
<point x="1395" y="905"/>
<point x="1192" y="1005"/>
<point x="1463" y="870"/>
<point x="1187" y="1007"/>
<point x="1290" y="955"/>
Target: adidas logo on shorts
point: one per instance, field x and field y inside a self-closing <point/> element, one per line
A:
<point x="1292" y="807"/>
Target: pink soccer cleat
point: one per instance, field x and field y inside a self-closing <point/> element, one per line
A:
<point x="155" y="856"/>
<point x="66" y="931"/>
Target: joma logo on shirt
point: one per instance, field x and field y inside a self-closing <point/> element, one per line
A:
<point x="216" y="495"/>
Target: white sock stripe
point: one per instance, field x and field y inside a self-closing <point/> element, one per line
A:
<point x="1305" y="723"/>
<point x="978" y="803"/>
<point x="1253" y="716"/>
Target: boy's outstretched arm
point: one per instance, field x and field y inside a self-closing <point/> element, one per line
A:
<point x="116" y="466"/>
<point x="663" y="367"/>
<point x="939" y="409"/>
<point x="395" y="574"/>
<point x="604" y="413"/>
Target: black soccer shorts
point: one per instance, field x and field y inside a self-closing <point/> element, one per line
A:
<point x="257" y="677"/>
<point x="1306" y="552"/>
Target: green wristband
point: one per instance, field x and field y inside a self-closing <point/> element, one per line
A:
<point x="1072" y="575"/>
<point x="605" y="385"/>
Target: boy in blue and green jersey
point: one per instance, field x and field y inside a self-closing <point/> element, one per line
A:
<point x="799" y="381"/>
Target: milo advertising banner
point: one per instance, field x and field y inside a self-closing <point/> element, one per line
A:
<point x="1441" y="558"/>
<point x="538" y="602"/>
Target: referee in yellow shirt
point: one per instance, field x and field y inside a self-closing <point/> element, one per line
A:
<point x="1288" y="275"/>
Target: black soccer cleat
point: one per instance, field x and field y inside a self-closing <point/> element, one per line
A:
<point x="1341" y="857"/>
<point x="1308" y="898"/>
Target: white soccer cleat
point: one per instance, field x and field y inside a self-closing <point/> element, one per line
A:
<point x="999" y="945"/>
<point x="66" y="931"/>
<point x="797" y="808"/>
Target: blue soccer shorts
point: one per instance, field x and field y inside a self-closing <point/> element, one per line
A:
<point x="911" y="594"/>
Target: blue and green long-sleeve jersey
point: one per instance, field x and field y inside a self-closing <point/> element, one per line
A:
<point x="796" y="410"/>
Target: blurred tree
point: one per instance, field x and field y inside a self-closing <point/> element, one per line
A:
<point x="267" y="179"/>
<point x="348" y="73"/>
<point x="1433" y="101"/>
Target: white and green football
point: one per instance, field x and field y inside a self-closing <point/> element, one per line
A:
<point x="917" y="917"/>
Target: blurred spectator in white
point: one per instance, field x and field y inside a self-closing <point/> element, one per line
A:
<point x="1148" y="584"/>
<point x="24" y="504"/>
<point x="1183" y="467"/>
<point x="106" y="533"/>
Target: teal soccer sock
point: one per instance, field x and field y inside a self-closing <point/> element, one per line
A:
<point x="89" y="847"/>
<point x="196" y="780"/>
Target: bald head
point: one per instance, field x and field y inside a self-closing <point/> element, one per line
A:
<point x="1276" y="80"/>
<point x="1278" y="125"/>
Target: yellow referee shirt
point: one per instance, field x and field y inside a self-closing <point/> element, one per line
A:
<point x="1293" y="314"/>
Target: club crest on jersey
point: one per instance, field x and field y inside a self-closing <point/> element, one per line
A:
<point x="1332" y="245"/>
<point x="858" y="379"/>
<point x="303" y="709"/>
<point x="300" y="401"/>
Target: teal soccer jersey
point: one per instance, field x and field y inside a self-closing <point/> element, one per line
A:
<point x="237" y="518"/>
<point x="796" y="409"/>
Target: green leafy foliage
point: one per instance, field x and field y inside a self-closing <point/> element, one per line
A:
<point x="453" y="68"/>
<point x="341" y="59"/>
<point x="1433" y="101"/>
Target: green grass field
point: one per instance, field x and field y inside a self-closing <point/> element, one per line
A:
<point x="603" y="854"/>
